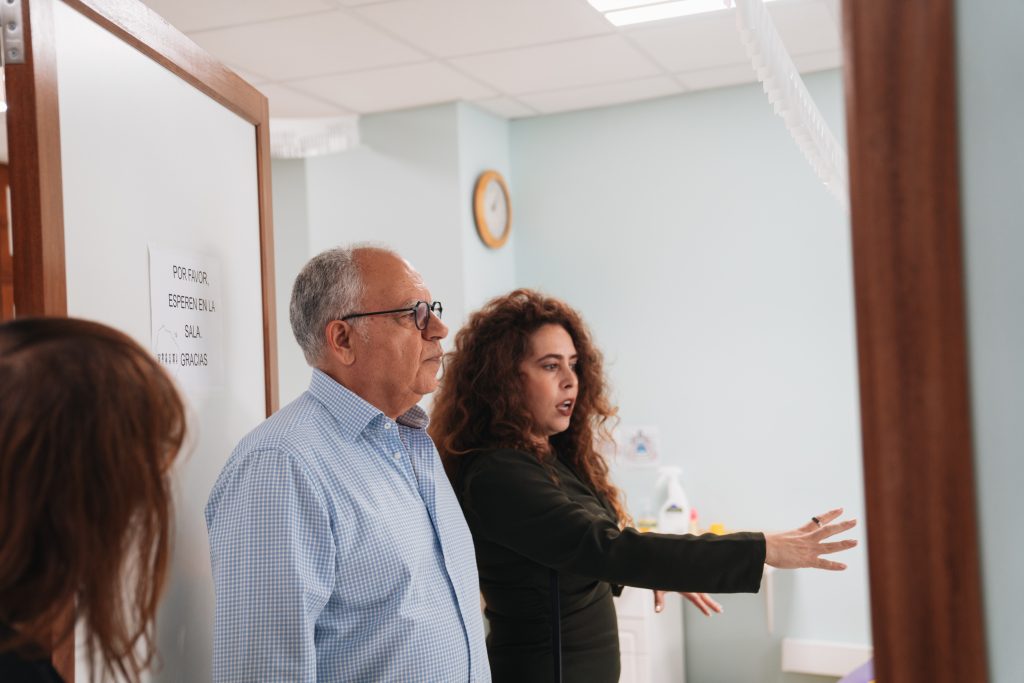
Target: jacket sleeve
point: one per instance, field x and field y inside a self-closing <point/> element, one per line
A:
<point x="510" y="499"/>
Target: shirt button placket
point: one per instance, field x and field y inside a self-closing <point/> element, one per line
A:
<point x="397" y="455"/>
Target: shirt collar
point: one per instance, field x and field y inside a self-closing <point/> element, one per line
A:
<point x="353" y="412"/>
<point x="415" y="418"/>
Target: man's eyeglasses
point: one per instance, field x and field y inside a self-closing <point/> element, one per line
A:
<point x="421" y="313"/>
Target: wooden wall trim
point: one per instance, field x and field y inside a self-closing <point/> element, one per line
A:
<point x="37" y="204"/>
<point x="267" y="264"/>
<point x="911" y="332"/>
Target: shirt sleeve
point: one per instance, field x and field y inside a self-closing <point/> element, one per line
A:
<point x="273" y="558"/>
<point x="510" y="499"/>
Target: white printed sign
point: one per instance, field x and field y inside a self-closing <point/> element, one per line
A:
<point x="187" y="316"/>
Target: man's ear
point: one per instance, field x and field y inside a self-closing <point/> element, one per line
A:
<point x="339" y="341"/>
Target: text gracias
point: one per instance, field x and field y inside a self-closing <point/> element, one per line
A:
<point x="190" y="303"/>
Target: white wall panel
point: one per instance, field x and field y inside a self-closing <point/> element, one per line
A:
<point x="148" y="159"/>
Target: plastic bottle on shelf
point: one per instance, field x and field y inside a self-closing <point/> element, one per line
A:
<point x="674" y="515"/>
<point x="646" y="521"/>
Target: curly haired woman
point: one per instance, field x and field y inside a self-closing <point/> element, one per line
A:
<point x="521" y="406"/>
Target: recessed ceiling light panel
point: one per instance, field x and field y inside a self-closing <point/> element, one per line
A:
<point x="626" y="12"/>
<point x="612" y="5"/>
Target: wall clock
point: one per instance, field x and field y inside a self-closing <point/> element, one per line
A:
<point x="492" y="209"/>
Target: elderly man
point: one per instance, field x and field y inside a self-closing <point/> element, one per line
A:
<point x="339" y="550"/>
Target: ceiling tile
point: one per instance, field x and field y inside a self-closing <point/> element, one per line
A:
<point x="395" y="88"/>
<point x="718" y="77"/>
<point x="602" y="95"/>
<point x="561" y="65"/>
<point x="198" y="15"/>
<point x="288" y="103"/>
<point x="506" y="107"/>
<point x="697" y="42"/>
<point x="805" y="26"/>
<point x="311" y="45"/>
<point x="448" y="28"/>
<point x="818" y="61"/>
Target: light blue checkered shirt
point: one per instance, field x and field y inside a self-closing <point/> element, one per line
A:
<point x="340" y="552"/>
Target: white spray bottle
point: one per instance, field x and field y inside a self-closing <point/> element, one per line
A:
<point x="674" y="514"/>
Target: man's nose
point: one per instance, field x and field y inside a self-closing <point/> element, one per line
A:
<point x="435" y="329"/>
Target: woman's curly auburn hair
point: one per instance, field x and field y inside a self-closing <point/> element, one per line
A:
<point x="479" y="405"/>
<point x="90" y="425"/>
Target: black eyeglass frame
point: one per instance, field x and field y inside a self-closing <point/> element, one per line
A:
<point x="434" y="308"/>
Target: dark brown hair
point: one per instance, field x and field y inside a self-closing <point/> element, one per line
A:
<point x="89" y="426"/>
<point x="479" y="405"/>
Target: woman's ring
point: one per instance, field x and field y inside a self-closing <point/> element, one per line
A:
<point x="816" y="521"/>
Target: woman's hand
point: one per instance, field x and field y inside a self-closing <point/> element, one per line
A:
<point x="801" y="547"/>
<point x="703" y="601"/>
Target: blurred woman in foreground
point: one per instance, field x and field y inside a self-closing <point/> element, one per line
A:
<point x="89" y="427"/>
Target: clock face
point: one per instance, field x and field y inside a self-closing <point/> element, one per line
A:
<point x="491" y="209"/>
<point x="495" y="207"/>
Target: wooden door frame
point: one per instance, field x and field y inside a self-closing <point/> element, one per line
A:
<point x="901" y="103"/>
<point x="34" y="132"/>
<point x="33" y="124"/>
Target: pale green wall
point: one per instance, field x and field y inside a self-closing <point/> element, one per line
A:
<point x="291" y="251"/>
<point x="408" y="185"/>
<point x="399" y="187"/>
<point x="990" y="67"/>
<point x="714" y="270"/>
<point x="483" y="146"/>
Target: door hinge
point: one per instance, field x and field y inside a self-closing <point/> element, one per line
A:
<point x="12" y="36"/>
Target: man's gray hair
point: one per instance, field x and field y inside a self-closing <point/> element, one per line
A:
<point x="329" y="286"/>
